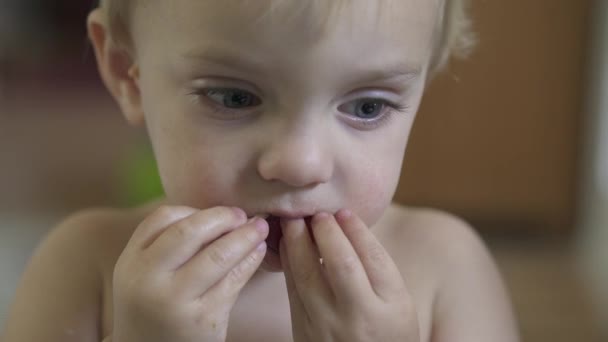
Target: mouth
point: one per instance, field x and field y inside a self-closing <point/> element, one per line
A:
<point x="275" y="233"/>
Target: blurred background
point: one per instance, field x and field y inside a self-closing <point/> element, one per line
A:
<point x="514" y="139"/>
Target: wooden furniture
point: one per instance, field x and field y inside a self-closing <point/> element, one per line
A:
<point x="497" y="138"/>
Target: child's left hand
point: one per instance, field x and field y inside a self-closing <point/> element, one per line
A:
<point x="357" y="294"/>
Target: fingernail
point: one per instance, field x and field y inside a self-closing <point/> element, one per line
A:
<point x="239" y="212"/>
<point x="344" y="214"/>
<point x="261" y="225"/>
<point x="261" y="248"/>
<point x="321" y="216"/>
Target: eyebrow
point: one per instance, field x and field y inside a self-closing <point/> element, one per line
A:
<point x="398" y="72"/>
<point x="231" y="58"/>
<point x="226" y="57"/>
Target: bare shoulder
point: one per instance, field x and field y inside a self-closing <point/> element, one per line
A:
<point x="416" y="220"/>
<point x="436" y="235"/>
<point x="428" y="245"/>
<point x="97" y="235"/>
<point x="470" y="302"/>
<point x="60" y="290"/>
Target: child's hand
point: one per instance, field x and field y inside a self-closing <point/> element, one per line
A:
<point x="357" y="294"/>
<point x="178" y="277"/>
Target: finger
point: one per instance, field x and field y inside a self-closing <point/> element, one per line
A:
<point x="154" y="224"/>
<point x="345" y="272"/>
<point x="303" y="260"/>
<point x="298" y="312"/>
<point x="219" y="258"/>
<point x="383" y="274"/>
<point x="183" y="239"/>
<point x="228" y="288"/>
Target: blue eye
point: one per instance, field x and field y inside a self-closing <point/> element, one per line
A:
<point x="365" y="108"/>
<point x="232" y="98"/>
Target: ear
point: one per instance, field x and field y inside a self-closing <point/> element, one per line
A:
<point x="118" y="71"/>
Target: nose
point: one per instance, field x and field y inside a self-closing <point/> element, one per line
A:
<point x="298" y="157"/>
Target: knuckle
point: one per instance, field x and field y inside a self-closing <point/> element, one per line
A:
<point x="236" y="275"/>
<point x="221" y="257"/>
<point x="168" y="212"/>
<point x="250" y="236"/>
<point x="224" y="212"/>
<point x="220" y="217"/>
<point x="185" y="228"/>
<point x="375" y="254"/>
<point x="163" y="211"/>
<point x="239" y="274"/>
<point x="348" y="265"/>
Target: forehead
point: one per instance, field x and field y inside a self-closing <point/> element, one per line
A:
<point x="360" y="27"/>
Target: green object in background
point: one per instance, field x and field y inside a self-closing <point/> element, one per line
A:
<point x="141" y="180"/>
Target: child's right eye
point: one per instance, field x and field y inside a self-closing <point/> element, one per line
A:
<point x="232" y="98"/>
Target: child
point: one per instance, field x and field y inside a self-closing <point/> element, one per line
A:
<point x="279" y="129"/>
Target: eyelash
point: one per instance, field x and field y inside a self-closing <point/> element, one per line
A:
<point x="382" y="119"/>
<point x="202" y="95"/>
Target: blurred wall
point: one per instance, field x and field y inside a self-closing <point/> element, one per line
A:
<point x="594" y="203"/>
<point x="496" y="140"/>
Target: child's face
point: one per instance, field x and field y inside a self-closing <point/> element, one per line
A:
<point x="312" y="124"/>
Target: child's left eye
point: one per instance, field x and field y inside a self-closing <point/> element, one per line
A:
<point x="367" y="109"/>
<point x="232" y="98"/>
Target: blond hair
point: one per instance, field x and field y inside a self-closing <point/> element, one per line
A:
<point x="454" y="38"/>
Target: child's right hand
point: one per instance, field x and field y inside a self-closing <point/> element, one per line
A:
<point x="180" y="274"/>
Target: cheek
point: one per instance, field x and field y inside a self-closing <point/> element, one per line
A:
<point x="197" y="168"/>
<point x="373" y="182"/>
<point x="205" y="180"/>
<point x="198" y="162"/>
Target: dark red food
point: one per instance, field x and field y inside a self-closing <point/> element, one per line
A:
<point x="275" y="233"/>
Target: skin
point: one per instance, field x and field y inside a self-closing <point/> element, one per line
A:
<point x="300" y="151"/>
<point x="189" y="268"/>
